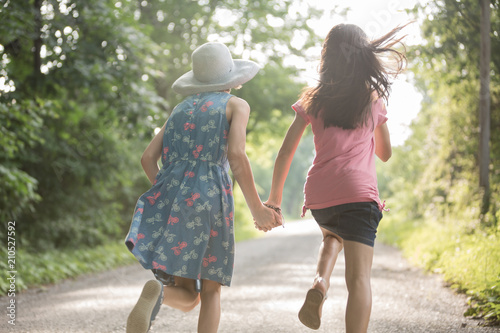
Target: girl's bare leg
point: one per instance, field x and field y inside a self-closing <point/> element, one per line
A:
<point x="311" y="311"/>
<point x="208" y="321"/>
<point x="328" y="253"/>
<point x="182" y="296"/>
<point x="358" y="265"/>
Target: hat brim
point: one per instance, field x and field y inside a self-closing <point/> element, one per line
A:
<point x="243" y="71"/>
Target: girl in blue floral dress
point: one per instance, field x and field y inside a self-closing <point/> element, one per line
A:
<point x="182" y="227"/>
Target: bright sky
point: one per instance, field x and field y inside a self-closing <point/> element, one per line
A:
<point x="377" y="17"/>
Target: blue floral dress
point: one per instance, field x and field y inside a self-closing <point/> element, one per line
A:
<point x="184" y="224"/>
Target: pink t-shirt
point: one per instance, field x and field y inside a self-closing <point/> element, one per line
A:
<point x="343" y="170"/>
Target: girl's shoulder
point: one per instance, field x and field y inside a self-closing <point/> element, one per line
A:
<point x="379" y="111"/>
<point x="235" y="100"/>
<point x="236" y="105"/>
<point x="377" y="102"/>
<point x="375" y="97"/>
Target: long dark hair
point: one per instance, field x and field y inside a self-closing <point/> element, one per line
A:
<point x="352" y="68"/>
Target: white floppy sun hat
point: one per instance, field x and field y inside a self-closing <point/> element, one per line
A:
<point x="214" y="70"/>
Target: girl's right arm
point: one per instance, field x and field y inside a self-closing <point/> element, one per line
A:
<point x="284" y="159"/>
<point x="152" y="154"/>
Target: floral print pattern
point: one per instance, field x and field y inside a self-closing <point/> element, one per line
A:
<point x="183" y="225"/>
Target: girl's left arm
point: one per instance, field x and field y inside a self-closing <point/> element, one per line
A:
<point x="383" y="147"/>
<point x="152" y="154"/>
<point x="284" y="159"/>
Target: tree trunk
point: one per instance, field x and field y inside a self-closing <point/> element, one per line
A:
<point x="484" y="102"/>
<point x="37" y="46"/>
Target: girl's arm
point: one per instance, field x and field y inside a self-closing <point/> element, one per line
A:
<point x="152" y="154"/>
<point x="284" y="159"/>
<point x="383" y="147"/>
<point x="238" y="112"/>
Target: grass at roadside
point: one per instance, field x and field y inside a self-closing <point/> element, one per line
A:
<point x="36" y="269"/>
<point x="469" y="260"/>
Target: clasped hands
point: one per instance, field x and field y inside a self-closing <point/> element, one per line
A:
<point x="268" y="217"/>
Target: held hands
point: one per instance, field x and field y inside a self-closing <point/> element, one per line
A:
<point x="268" y="217"/>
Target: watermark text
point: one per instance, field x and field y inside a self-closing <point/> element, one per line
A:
<point x="11" y="273"/>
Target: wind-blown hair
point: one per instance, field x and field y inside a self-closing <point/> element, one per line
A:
<point x="352" y="69"/>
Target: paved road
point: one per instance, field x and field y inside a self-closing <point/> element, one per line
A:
<point x="272" y="275"/>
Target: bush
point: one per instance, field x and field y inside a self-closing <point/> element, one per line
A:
<point x="468" y="260"/>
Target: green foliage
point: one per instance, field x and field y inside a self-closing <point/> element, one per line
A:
<point x="21" y="128"/>
<point x="64" y="155"/>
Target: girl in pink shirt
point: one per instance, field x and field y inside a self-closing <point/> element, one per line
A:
<point x="348" y="118"/>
